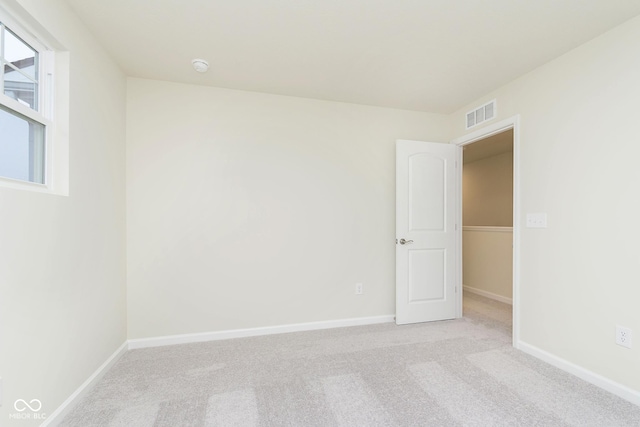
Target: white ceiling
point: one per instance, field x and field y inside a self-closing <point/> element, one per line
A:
<point x="426" y="55"/>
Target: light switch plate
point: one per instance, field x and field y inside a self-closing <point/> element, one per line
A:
<point x="536" y="220"/>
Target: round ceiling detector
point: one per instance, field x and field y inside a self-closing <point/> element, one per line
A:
<point x="200" y="65"/>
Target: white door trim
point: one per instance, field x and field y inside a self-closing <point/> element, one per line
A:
<point x="484" y="132"/>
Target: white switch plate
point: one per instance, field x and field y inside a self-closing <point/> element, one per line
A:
<point x="359" y="288"/>
<point x="536" y="220"/>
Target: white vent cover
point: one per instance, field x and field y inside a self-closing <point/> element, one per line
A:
<point x="481" y="114"/>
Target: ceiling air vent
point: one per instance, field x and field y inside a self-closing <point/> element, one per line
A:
<point x="481" y="114"/>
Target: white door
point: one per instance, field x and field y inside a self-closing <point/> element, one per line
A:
<point x="426" y="236"/>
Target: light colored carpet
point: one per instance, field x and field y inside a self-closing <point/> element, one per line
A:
<point x="455" y="373"/>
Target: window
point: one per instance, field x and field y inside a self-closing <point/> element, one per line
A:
<point x="25" y="125"/>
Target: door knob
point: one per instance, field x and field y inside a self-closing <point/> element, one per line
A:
<point x="405" y="242"/>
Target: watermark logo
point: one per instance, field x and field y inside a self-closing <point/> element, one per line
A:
<point x="21" y="405"/>
<point x="28" y="410"/>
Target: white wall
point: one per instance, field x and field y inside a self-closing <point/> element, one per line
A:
<point x="579" y="144"/>
<point x="62" y="259"/>
<point x="248" y="210"/>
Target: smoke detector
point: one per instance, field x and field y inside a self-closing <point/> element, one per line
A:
<point x="200" y="65"/>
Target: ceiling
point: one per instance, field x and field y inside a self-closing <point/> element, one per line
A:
<point x="425" y="55"/>
<point x="494" y="145"/>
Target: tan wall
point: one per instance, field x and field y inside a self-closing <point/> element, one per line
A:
<point x="487" y="261"/>
<point x="578" y="163"/>
<point x="488" y="202"/>
<point x="488" y="191"/>
<point x="62" y="259"/>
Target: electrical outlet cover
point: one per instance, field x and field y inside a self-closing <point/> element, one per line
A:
<point x="623" y="336"/>
<point x="359" y="288"/>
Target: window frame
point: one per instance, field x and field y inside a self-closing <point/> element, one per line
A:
<point x="45" y="105"/>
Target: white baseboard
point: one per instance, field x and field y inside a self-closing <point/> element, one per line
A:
<point x="252" y="332"/>
<point x="58" y="415"/>
<point x="486" y="294"/>
<point x="618" y="389"/>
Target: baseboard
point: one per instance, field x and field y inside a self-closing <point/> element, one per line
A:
<point x="486" y="294"/>
<point x="252" y="332"/>
<point x="58" y="415"/>
<point x="613" y="387"/>
<point x="63" y="410"/>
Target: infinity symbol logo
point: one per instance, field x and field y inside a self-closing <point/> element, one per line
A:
<point x="21" y="405"/>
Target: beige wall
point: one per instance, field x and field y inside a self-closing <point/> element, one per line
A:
<point x="62" y="259"/>
<point x="578" y="163"/>
<point x="248" y="210"/>
<point x="487" y="255"/>
<point x="488" y="191"/>
<point x="487" y="261"/>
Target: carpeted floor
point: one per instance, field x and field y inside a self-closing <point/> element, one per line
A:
<point x="454" y="373"/>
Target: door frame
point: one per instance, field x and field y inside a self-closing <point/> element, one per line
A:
<point x="470" y="138"/>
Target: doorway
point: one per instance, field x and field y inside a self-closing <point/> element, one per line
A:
<point x="489" y="215"/>
<point x="487" y="229"/>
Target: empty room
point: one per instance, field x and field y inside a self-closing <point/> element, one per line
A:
<point x="319" y="213"/>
